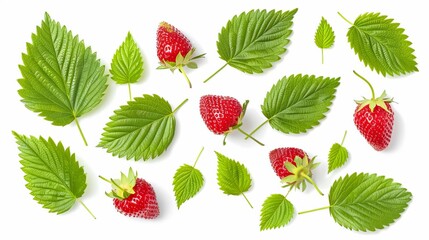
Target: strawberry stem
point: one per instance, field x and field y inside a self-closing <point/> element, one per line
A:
<point x="312" y="182"/>
<point x="345" y="18"/>
<point x="198" y="157"/>
<point x="369" y="84"/>
<point x="87" y="209"/>
<point x="249" y="136"/>
<point x="247" y="200"/>
<point x="80" y="131"/>
<point x="314" y="210"/>
<point x="215" y="73"/>
<point x="256" y="129"/>
<point x="186" y="76"/>
<point x="180" y="105"/>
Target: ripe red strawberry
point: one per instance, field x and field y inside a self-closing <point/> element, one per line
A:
<point x="374" y="119"/>
<point x="223" y="114"/>
<point x="174" y="49"/>
<point x="293" y="167"/>
<point x="133" y="196"/>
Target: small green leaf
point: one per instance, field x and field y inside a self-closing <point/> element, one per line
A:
<point x="276" y="212"/>
<point x="381" y="44"/>
<point x="366" y="202"/>
<point x="298" y="103"/>
<point x="53" y="175"/>
<point x="127" y="63"/>
<point x="142" y="129"/>
<point x="324" y="37"/>
<point x="233" y="177"/>
<point x="338" y="155"/>
<point x="187" y="181"/>
<point x="252" y="41"/>
<point x="62" y="79"/>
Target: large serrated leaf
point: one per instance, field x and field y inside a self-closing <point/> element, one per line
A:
<point x="52" y="173"/>
<point x="233" y="177"/>
<point x="142" y="129"/>
<point x="127" y="63"/>
<point x="187" y="182"/>
<point x="382" y="45"/>
<point x="298" y="103"/>
<point x="276" y="212"/>
<point x="61" y="78"/>
<point x="366" y="202"/>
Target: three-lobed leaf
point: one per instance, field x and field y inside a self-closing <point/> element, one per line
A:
<point x="367" y="202"/>
<point x="142" y="129"/>
<point x="254" y="40"/>
<point x="276" y="212"/>
<point x="127" y="63"/>
<point x="382" y="45"/>
<point x="187" y="182"/>
<point x="61" y="78"/>
<point x="298" y="103"/>
<point x="324" y="37"/>
<point x="53" y="175"/>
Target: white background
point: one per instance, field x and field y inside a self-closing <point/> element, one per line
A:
<point x="103" y="25"/>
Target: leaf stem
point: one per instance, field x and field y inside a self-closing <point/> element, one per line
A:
<point x="312" y="182"/>
<point x="215" y="73"/>
<point x="256" y="129"/>
<point x="322" y="56"/>
<point x="198" y="157"/>
<point x="80" y="131"/>
<point x="344" y="137"/>
<point x="180" y="105"/>
<point x="290" y="189"/>
<point x="87" y="209"/>
<point x="345" y="18"/>
<point x="247" y="200"/>
<point x="186" y="76"/>
<point x="248" y="136"/>
<point x="314" y="210"/>
<point x="129" y="91"/>
<point x="369" y="84"/>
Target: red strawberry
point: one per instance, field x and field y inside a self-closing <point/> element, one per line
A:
<point x="133" y="196"/>
<point x="374" y="119"/>
<point x="174" y="49"/>
<point x="223" y="114"/>
<point x="293" y="167"/>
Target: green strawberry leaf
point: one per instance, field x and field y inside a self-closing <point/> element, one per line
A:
<point x="127" y="63"/>
<point x="61" y="78"/>
<point x="324" y="37"/>
<point x="187" y="181"/>
<point x="338" y="155"/>
<point x="142" y="129"/>
<point x="298" y="103"/>
<point x="366" y="202"/>
<point x="276" y="212"/>
<point x="381" y="44"/>
<point x="252" y="41"/>
<point x="53" y="176"/>
<point x="233" y="177"/>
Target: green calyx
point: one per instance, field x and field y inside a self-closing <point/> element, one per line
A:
<point x="182" y="61"/>
<point x="124" y="187"/>
<point x="239" y="124"/>
<point x="373" y="102"/>
<point x="300" y="173"/>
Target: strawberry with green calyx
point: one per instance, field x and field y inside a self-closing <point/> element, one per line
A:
<point x="174" y="50"/>
<point x="294" y="167"/>
<point x="374" y="118"/>
<point x="133" y="196"/>
<point x="223" y="114"/>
